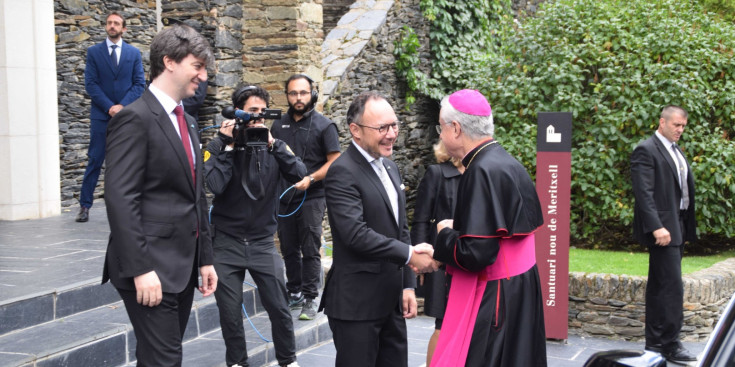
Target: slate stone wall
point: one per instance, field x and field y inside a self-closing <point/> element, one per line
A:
<point x="240" y="57"/>
<point x="358" y="56"/>
<point x="333" y="11"/>
<point x="79" y="24"/>
<point x="606" y="305"/>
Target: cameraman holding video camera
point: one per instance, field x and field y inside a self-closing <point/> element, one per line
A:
<point x="242" y="167"/>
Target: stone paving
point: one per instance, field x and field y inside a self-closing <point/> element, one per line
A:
<point x="57" y="254"/>
<point x="570" y="353"/>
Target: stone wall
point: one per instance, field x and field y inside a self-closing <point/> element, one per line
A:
<point x="606" y="305"/>
<point x="253" y="41"/>
<point x="357" y="56"/>
<point x="79" y="24"/>
<point x="281" y="38"/>
<point x="333" y="11"/>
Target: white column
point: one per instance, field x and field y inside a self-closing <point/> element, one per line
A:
<point x="29" y="127"/>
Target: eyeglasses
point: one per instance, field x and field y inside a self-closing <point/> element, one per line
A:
<point x="303" y="93"/>
<point x="383" y="129"/>
<point x="439" y="127"/>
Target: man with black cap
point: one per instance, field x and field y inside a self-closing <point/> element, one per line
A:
<point x="315" y="139"/>
<point x="244" y="180"/>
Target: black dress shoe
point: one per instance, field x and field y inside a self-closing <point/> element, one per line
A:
<point x="658" y="348"/>
<point x="83" y="215"/>
<point x="679" y="355"/>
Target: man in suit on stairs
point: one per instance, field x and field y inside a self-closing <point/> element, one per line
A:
<point x="157" y="209"/>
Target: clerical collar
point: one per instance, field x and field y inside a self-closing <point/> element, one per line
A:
<point x="471" y="155"/>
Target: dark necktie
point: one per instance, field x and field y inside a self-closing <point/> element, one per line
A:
<point x="682" y="176"/>
<point x="184" y="131"/>
<point x="113" y="56"/>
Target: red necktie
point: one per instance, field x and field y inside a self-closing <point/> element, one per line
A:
<point x="184" y="130"/>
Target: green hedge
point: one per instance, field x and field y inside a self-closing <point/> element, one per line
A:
<point x="613" y="65"/>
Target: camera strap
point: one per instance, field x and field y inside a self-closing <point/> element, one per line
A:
<point x="251" y="180"/>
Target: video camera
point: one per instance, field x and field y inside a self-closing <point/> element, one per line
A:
<point x="249" y="136"/>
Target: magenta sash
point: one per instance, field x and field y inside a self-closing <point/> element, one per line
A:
<point x="516" y="256"/>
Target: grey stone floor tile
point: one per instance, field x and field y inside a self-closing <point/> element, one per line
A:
<point x="206" y="352"/>
<point x="14" y="359"/>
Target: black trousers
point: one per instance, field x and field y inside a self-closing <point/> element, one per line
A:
<point x="371" y="343"/>
<point x="664" y="295"/>
<point x="301" y="237"/>
<point x="231" y="258"/>
<point x="159" y="330"/>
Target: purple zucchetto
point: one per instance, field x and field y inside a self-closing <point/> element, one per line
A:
<point x="471" y="102"/>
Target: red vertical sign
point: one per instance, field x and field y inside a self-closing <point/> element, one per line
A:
<point x="553" y="182"/>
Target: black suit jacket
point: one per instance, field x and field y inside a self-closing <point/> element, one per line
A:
<point x="368" y="275"/>
<point x="436" y="199"/>
<point x="658" y="195"/>
<point x="157" y="213"/>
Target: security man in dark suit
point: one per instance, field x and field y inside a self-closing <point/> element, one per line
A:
<point x="664" y="220"/>
<point x="156" y="205"/>
<point x="113" y="78"/>
<point x="369" y="290"/>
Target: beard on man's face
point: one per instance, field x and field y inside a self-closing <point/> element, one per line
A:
<point x="113" y="33"/>
<point x="301" y="109"/>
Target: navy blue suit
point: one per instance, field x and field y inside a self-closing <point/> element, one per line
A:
<point x="107" y="86"/>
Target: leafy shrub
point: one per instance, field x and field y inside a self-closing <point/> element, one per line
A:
<point x="614" y="67"/>
<point x="724" y="8"/>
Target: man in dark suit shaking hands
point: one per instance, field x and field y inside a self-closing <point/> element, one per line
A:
<point x="664" y="220"/>
<point x="156" y="205"/>
<point x="113" y="78"/>
<point x="369" y="291"/>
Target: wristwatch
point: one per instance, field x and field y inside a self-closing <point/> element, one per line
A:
<point x="311" y="179"/>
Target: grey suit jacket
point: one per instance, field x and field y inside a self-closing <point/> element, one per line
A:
<point x="368" y="275"/>
<point x="157" y="213"/>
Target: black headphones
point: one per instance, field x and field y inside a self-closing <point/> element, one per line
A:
<point x="312" y="86"/>
<point x="240" y="93"/>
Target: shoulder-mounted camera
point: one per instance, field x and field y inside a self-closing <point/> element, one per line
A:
<point x="245" y="136"/>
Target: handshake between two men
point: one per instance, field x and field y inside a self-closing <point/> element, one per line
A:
<point x="422" y="261"/>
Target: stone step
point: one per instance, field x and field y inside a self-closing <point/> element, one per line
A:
<point x="209" y="350"/>
<point x="86" y="325"/>
<point x="99" y="336"/>
<point x="42" y="307"/>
